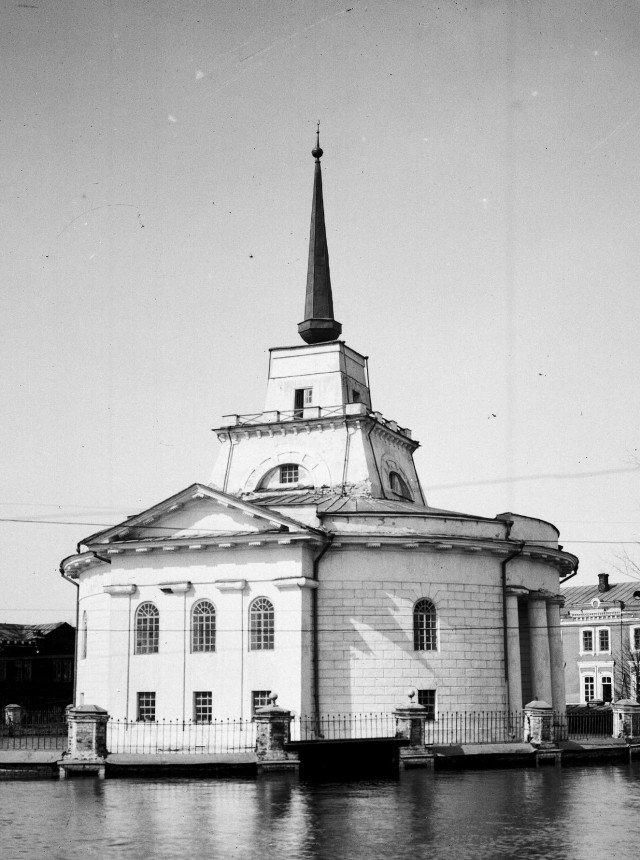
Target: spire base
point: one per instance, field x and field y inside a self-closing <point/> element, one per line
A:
<point x="319" y="330"/>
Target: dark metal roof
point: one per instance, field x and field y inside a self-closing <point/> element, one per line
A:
<point x="26" y="632"/>
<point x="197" y="535"/>
<point x="581" y="595"/>
<point x="334" y="503"/>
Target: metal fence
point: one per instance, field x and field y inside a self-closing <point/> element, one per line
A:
<point x="34" y="736"/>
<point x="180" y="736"/>
<point x="585" y="722"/>
<point x="235" y="736"/>
<point x="343" y="727"/>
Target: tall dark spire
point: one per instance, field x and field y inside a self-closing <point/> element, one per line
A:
<point x="318" y="324"/>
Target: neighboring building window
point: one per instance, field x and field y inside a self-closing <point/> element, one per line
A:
<point x="635" y="638"/>
<point x="203" y="626"/>
<point x="83" y="637"/>
<point x="587" y="642"/>
<point x="289" y="473"/>
<point x="607" y="688"/>
<point x="302" y="397"/>
<point x="398" y="485"/>
<point x="259" y="699"/>
<point x="3" y="670"/>
<point x="589" y="683"/>
<point x="428" y="699"/>
<point x="17" y="671"/>
<point x="203" y="706"/>
<point x="147" y="629"/>
<point x="146" y="707"/>
<point x="603" y="639"/>
<point x="62" y="670"/>
<point x="424" y="626"/>
<point x="261" y="625"/>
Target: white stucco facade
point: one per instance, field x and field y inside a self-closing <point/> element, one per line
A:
<point x="311" y="565"/>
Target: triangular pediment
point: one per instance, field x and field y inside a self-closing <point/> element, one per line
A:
<point x="198" y="511"/>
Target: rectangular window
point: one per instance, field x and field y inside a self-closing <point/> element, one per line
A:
<point x="302" y="397"/>
<point x="355" y="396"/>
<point x="603" y="639"/>
<point x="259" y="699"/>
<point x="635" y="638"/>
<point x="606" y="685"/>
<point x="587" y="641"/>
<point x="146" y="707"/>
<point x="428" y="699"/>
<point x="203" y="706"/>
<point x="62" y="670"/>
<point x="289" y="473"/>
<point x="589" y="688"/>
<point x="3" y="670"/>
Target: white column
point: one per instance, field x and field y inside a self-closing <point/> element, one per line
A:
<point x="556" y="655"/>
<point x="539" y="644"/>
<point x="514" y="670"/>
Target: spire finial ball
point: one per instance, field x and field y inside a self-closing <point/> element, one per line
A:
<point x="317" y="152"/>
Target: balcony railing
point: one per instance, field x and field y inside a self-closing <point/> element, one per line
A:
<point x="312" y="413"/>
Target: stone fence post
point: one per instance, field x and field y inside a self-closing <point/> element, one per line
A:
<point x="87" y="745"/>
<point x="538" y="718"/>
<point x="12" y="715"/>
<point x="626" y="719"/>
<point x="273" y="731"/>
<point x="410" y="726"/>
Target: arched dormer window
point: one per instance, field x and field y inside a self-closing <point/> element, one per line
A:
<point x="398" y="485"/>
<point x="203" y="626"/>
<point x="147" y="629"/>
<point x="83" y="637"/>
<point x="261" y="625"/>
<point x="286" y="475"/>
<point x="425" y="628"/>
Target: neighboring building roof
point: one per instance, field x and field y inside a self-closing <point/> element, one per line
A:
<point x="27" y="632"/>
<point x="581" y="595"/>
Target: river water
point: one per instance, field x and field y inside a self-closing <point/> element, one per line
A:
<point x="547" y="813"/>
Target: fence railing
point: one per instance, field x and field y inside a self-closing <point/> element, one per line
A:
<point x="231" y="736"/>
<point x="180" y="736"/>
<point x="344" y="727"/>
<point x="34" y="736"/>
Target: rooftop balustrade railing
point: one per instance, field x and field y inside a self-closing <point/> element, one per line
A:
<point x="308" y="413"/>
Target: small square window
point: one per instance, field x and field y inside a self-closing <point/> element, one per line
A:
<point x="203" y="706"/>
<point x="259" y="699"/>
<point x="146" y="707"/>
<point x="289" y="473"/>
<point x="428" y="699"/>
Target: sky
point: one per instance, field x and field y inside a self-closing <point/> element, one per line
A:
<point x="482" y="197"/>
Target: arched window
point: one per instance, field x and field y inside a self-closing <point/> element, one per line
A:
<point x="286" y="475"/>
<point x="399" y="486"/>
<point x="83" y="637"/>
<point x="203" y="626"/>
<point x="425" y="634"/>
<point x="147" y="629"/>
<point x="261" y="625"/>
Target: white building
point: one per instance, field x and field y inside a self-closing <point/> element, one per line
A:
<point x="311" y="565"/>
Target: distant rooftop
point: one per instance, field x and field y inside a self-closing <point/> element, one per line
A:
<point x="26" y="632"/>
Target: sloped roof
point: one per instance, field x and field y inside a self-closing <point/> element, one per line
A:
<point x="334" y="503"/>
<point x="579" y="595"/>
<point x="26" y="632"/>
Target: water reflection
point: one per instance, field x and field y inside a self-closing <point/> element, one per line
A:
<point x="547" y="813"/>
